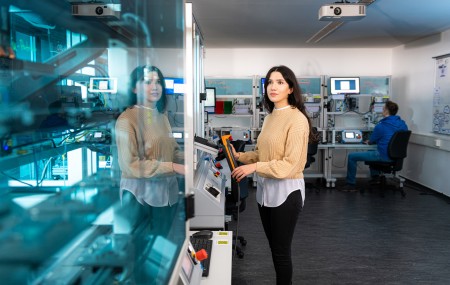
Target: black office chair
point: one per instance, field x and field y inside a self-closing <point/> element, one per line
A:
<point x="397" y="151"/>
<point x="236" y="200"/>
<point x="312" y="151"/>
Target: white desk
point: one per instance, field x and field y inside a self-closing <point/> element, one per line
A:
<point x="328" y="157"/>
<point x="327" y="162"/>
<point x="221" y="259"/>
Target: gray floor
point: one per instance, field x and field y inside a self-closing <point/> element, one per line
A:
<point x="354" y="238"/>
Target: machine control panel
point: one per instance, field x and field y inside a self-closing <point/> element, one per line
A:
<point x="352" y="136"/>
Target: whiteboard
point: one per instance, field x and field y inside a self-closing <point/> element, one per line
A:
<point x="441" y="96"/>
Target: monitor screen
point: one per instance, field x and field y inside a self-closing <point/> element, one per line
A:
<point x="263" y="79"/>
<point x="344" y="85"/>
<point x="174" y="86"/>
<point x="177" y="135"/>
<point x="210" y="97"/>
<point x="103" y="85"/>
<point x="349" y="135"/>
<point x="187" y="266"/>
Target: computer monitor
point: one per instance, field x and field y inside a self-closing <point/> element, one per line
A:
<point x="103" y="85"/>
<point x="210" y="97"/>
<point x="344" y="85"/>
<point x="174" y="86"/>
<point x="263" y="79"/>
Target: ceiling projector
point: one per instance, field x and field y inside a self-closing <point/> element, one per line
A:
<point x="342" y="12"/>
<point x="98" y="10"/>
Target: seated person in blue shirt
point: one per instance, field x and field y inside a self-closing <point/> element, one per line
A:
<point x="380" y="136"/>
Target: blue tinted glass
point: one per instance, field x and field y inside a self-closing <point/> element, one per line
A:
<point x="92" y="141"/>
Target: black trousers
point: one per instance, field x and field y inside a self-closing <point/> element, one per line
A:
<point x="279" y="225"/>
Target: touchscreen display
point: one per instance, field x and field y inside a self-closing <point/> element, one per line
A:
<point x="349" y="135"/>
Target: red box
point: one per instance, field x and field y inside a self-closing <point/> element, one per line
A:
<point x="219" y="107"/>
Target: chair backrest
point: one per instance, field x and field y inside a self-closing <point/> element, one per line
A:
<point x="397" y="148"/>
<point x="239" y="145"/>
<point x="398" y="145"/>
<point x="312" y="150"/>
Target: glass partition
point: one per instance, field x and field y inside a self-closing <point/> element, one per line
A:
<point x="92" y="141"/>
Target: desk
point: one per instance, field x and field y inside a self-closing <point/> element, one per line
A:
<point x="328" y="157"/>
<point x="327" y="162"/>
<point x="221" y="259"/>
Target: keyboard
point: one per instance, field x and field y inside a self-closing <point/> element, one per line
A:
<point x="206" y="244"/>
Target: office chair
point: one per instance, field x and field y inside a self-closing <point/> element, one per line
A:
<point x="235" y="201"/>
<point x="312" y="151"/>
<point x="397" y="151"/>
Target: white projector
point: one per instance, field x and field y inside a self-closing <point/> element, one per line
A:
<point x="342" y="12"/>
<point x="96" y="10"/>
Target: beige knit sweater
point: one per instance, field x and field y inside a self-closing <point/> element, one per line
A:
<point x="145" y="144"/>
<point x="282" y="145"/>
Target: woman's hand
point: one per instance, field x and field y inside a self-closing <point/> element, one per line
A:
<point x="242" y="171"/>
<point x="178" y="168"/>
<point x="235" y="154"/>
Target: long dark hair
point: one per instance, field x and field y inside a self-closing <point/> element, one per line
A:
<point x="137" y="75"/>
<point x="295" y="99"/>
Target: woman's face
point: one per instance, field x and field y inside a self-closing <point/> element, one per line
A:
<point x="278" y="90"/>
<point x="149" y="88"/>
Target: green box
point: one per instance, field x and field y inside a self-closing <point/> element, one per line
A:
<point x="228" y="107"/>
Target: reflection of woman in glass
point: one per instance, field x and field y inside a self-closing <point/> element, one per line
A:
<point x="149" y="158"/>
<point x="148" y="155"/>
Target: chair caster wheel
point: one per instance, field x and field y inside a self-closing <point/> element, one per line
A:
<point x="240" y="255"/>
<point x="244" y="242"/>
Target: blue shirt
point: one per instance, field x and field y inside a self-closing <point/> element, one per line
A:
<point x="383" y="132"/>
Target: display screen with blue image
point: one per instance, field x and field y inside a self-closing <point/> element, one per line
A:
<point x="344" y="85"/>
<point x="174" y="85"/>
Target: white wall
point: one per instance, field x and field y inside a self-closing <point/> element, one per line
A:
<point x="413" y="73"/>
<point x="412" y="70"/>
<point x="304" y="62"/>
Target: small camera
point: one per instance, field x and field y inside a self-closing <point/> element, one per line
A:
<point x="337" y="10"/>
<point x="99" y="10"/>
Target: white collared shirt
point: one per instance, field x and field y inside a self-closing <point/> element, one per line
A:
<point x="273" y="192"/>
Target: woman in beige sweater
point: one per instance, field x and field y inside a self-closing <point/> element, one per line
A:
<point x="148" y="156"/>
<point x="278" y="160"/>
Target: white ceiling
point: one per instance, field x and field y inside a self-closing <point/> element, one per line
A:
<point x="290" y="23"/>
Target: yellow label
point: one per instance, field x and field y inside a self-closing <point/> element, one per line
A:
<point x="223" y="233"/>
<point x="224" y="242"/>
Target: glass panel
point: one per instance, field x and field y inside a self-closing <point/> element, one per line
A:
<point x="92" y="141"/>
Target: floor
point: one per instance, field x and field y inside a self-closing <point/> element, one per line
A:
<point x="355" y="238"/>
